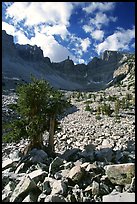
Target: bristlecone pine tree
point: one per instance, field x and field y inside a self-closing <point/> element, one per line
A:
<point x="38" y="105"/>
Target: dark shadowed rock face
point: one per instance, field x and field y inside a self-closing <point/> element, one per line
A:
<point x="29" y="53"/>
<point x="20" y="61"/>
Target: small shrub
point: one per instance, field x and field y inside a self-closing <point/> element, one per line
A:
<point x="87" y="108"/>
<point x="98" y="117"/>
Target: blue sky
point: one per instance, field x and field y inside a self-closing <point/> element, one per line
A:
<point x="81" y="30"/>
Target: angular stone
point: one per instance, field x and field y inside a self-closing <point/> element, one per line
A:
<point x="37" y="175"/>
<point x="76" y="173"/>
<point x="7" y="164"/>
<point x="41" y="197"/>
<point x="47" y="184"/>
<point x="120" y="174"/>
<point x="7" y="191"/>
<point x="61" y="174"/>
<point x="119" y="197"/>
<point x="31" y="197"/>
<point x="38" y="155"/>
<point x="55" y="165"/>
<point x="95" y="188"/>
<point x="55" y="198"/>
<point x="104" y="154"/>
<point x="20" y="168"/>
<point x="23" y="188"/>
<point x="59" y="187"/>
<point x="69" y="154"/>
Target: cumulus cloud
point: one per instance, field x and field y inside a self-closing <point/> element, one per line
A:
<point x="119" y="40"/>
<point x="21" y="38"/>
<point x="98" y="35"/>
<point x="87" y="28"/>
<point x="101" y="19"/>
<point x="94" y="27"/>
<point x="93" y="6"/>
<point x="34" y="13"/>
<point x="8" y="28"/>
<point x="85" y="44"/>
<point x="51" y="48"/>
<point x="55" y="30"/>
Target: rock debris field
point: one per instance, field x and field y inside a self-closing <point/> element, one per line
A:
<point x="94" y="159"/>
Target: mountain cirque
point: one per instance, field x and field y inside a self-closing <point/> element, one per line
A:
<point x="95" y="154"/>
<point x="20" y="61"/>
<point x="89" y="150"/>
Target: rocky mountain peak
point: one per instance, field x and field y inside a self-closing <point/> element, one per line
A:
<point x="29" y="52"/>
<point x="20" y="61"/>
<point x="109" y="55"/>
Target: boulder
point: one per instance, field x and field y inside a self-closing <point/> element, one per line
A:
<point x="88" y="153"/>
<point x="104" y="154"/>
<point x="55" y="198"/>
<point x="47" y="185"/>
<point x="70" y="154"/>
<point x="8" y="163"/>
<point x="55" y="165"/>
<point x="76" y="173"/>
<point x="119" y="197"/>
<point x="120" y="174"/>
<point x="37" y="175"/>
<point x="23" y="188"/>
<point x="59" y="187"/>
<point x="7" y="191"/>
<point x="38" y="156"/>
<point x="31" y="197"/>
<point x="95" y="188"/>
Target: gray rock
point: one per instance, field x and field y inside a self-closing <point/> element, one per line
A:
<point x="55" y="165"/>
<point x="95" y="188"/>
<point x="62" y="174"/>
<point x="31" y="197"/>
<point x="23" y="188"/>
<point x="37" y="175"/>
<point x="37" y="156"/>
<point x="59" y="187"/>
<point x="20" y="168"/>
<point x="41" y="197"/>
<point x="119" y="197"/>
<point x="120" y="174"/>
<point x="104" y="154"/>
<point x="70" y="155"/>
<point x="55" y="198"/>
<point x="8" y="163"/>
<point x="7" y="191"/>
<point x="88" y="153"/>
<point x="11" y="176"/>
<point x="47" y="185"/>
<point x="76" y="173"/>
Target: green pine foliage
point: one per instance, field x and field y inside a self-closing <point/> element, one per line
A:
<point x="37" y="103"/>
<point x="87" y="108"/>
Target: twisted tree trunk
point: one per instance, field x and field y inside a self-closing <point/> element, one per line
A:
<point x="51" y="134"/>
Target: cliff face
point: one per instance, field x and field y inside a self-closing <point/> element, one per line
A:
<point x="20" y="61"/>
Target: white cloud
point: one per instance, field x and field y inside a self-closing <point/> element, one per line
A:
<point x="93" y="6"/>
<point x="96" y="23"/>
<point x="98" y="35"/>
<point x="87" y="28"/>
<point x="120" y="40"/>
<point x="81" y="61"/>
<point x="55" y="30"/>
<point x="35" y="13"/>
<point x="21" y="38"/>
<point x="51" y="48"/>
<point x="8" y="28"/>
<point x="85" y="44"/>
<point x="99" y="20"/>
